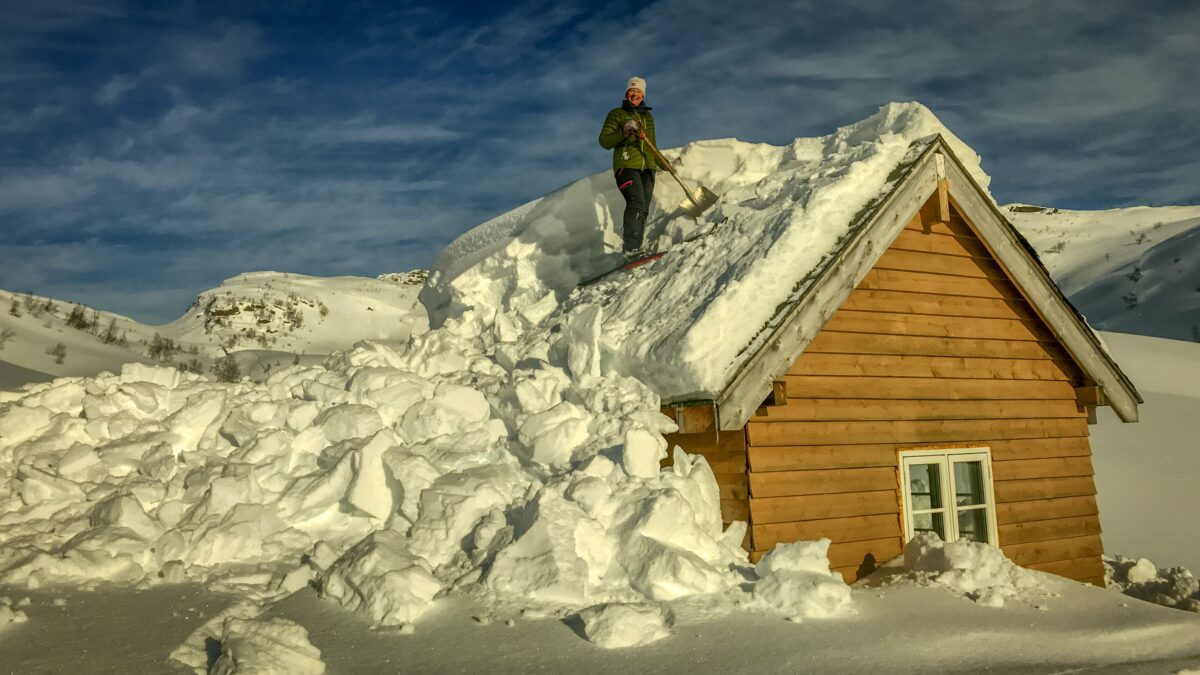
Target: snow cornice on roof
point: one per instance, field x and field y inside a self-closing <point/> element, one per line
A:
<point x="799" y="320"/>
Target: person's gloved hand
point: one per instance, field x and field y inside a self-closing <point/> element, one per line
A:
<point x="632" y="128"/>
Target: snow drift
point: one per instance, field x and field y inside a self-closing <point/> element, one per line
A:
<point x="977" y="571"/>
<point x="392" y="474"/>
<point x="1168" y="586"/>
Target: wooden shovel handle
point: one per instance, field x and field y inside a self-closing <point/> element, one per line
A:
<point x="671" y="169"/>
<point x="661" y="157"/>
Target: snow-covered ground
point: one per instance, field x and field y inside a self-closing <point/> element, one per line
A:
<point x="1146" y="472"/>
<point x="898" y="628"/>
<point x="488" y="494"/>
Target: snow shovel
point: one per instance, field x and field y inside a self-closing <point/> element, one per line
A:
<point x="698" y="200"/>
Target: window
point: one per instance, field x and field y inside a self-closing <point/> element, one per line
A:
<point x="949" y="492"/>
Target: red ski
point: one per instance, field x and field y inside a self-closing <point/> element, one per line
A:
<point x="642" y="261"/>
<point x="629" y="265"/>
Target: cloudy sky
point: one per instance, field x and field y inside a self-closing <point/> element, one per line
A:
<point x="150" y="153"/>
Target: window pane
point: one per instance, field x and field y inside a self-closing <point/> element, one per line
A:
<point x="968" y="483"/>
<point x="972" y="524"/>
<point x="929" y="522"/>
<point x="925" y="486"/>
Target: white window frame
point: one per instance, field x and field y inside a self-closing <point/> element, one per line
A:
<point x="949" y="457"/>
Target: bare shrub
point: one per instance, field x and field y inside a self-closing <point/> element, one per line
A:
<point x="161" y="348"/>
<point x="226" y="369"/>
<point x="59" y="352"/>
<point x="77" y="319"/>
<point x="109" y="335"/>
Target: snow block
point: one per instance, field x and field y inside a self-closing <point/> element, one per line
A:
<point x="381" y="578"/>
<point x="456" y="503"/>
<point x="370" y="490"/>
<point x="643" y="453"/>
<point x="559" y="554"/>
<point x="796" y="582"/>
<point x="453" y="409"/>
<point x="19" y="424"/>
<point x="661" y="572"/>
<point x="800" y="556"/>
<point x="81" y="463"/>
<point x="197" y="420"/>
<point x="125" y="511"/>
<point x="159" y="375"/>
<point x="551" y="437"/>
<point x="348" y="421"/>
<point x="1169" y="586"/>
<point x="584" y="328"/>
<point x="316" y="493"/>
<point x="37" y="487"/>
<point x="64" y="395"/>
<point x="619" y="625"/>
<point x="262" y="646"/>
<point x="248" y="418"/>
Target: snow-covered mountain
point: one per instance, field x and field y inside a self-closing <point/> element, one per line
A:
<point x="1133" y="270"/>
<point x="265" y="319"/>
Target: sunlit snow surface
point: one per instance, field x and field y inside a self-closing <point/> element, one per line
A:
<point x="685" y="323"/>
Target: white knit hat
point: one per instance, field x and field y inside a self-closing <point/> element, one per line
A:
<point x="636" y="83"/>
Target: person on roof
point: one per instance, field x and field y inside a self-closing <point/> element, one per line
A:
<point x="626" y="130"/>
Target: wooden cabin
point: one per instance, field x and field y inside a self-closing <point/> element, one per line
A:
<point x="934" y="378"/>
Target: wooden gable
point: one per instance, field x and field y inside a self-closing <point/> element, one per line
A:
<point x="937" y="185"/>
<point x="934" y="347"/>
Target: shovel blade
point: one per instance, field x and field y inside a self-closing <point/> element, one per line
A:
<point x="698" y="201"/>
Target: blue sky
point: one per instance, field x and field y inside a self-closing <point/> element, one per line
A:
<point x="153" y="149"/>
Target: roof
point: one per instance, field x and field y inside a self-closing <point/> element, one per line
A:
<point x="798" y="322"/>
<point x="796" y="228"/>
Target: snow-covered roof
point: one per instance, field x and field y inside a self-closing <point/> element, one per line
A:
<point x="690" y="324"/>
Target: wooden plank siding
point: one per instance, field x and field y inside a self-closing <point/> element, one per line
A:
<point x="935" y="348"/>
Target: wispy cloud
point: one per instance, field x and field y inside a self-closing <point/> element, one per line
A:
<point x="45" y="191"/>
<point x="224" y="51"/>
<point x="365" y="129"/>
<point x="114" y="89"/>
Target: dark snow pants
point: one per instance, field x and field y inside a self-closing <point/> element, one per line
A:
<point x="637" y="187"/>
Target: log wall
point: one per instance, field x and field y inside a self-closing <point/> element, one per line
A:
<point x="935" y="347"/>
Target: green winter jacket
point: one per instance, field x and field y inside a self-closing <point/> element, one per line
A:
<point x="629" y="152"/>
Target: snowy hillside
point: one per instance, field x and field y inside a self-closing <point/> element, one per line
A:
<point x="1134" y="270"/>
<point x="264" y="318"/>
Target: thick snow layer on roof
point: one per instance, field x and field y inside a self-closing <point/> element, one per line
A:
<point x="684" y="324"/>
